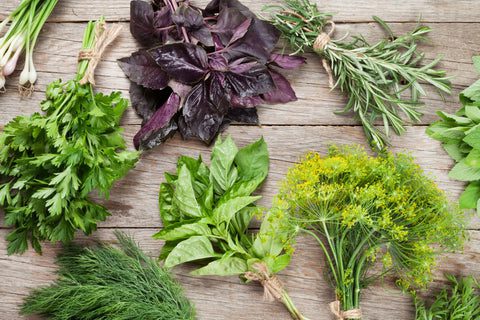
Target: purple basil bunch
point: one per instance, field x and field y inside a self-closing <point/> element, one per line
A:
<point x="204" y="69"/>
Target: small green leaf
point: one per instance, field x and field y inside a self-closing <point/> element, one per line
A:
<point x="454" y="151"/>
<point x="473" y="92"/>
<point x="476" y="63"/>
<point x="184" y="195"/>
<point x="227" y="266"/>
<point x="253" y="161"/>
<point x="461" y="171"/>
<point x="473" y="112"/>
<point x="281" y="262"/>
<point x="223" y="155"/>
<point x="226" y="211"/>
<point x="470" y="197"/>
<point x="182" y="231"/>
<point x="473" y="138"/>
<point x="194" y="248"/>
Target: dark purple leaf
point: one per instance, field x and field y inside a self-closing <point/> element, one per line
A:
<point x="218" y="62"/>
<point x="286" y="61"/>
<point x="200" y="118"/>
<point x="215" y="6"/>
<point x="179" y="88"/>
<point x="283" y="91"/>
<point x="160" y="126"/>
<point x="145" y="23"/>
<point x="184" y="62"/>
<point x="203" y="35"/>
<point x="143" y="70"/>
<point x="255" y="81"/>
<point x="241" y="115"/>
<point x="192" y="20"/>
<point x="219" y="92"/>
<point x="246" y="102"/>
<point x="231" y="25"/>
<point x="145" y="101"/>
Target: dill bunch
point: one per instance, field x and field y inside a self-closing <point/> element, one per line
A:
<point x="460" y="300"/>
<point x="383" y="81"/>
<point x="364" y="209"/>
<point x="109" y="283"/>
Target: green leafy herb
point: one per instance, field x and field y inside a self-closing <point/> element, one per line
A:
<point x="109" y="283"/>
<point x="50" y="163"/>
<point x="460" y="301"/>
<point x="376" y="77"/>
<point x="460" y="137"/>
<point x="364" y="209"/>
<point x="206" y="212"/>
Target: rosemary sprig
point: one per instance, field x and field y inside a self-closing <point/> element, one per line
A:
<point x="382" y="80"/>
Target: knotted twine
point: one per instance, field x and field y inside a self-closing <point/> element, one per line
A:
<point x="321" y="42"/>
<point x="272" y="286"/>
<point x="347" y="314"/>
<point x="103" y="38"/>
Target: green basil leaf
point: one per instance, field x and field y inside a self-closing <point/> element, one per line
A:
<point x="463" y="172"/>
<point x="473" y="112"/>
<point x="165" y="203"/>
<point x="227" y="266"/>
<point x="470" y="197"/>
<point x="473" y="138"/>
<point x="454" y="151"/>
<point x="253" y="161"/>
<point x="221" y="172"/>
<point x="454" y="118"/>
<point x="281" y="262"/>
<point x="473" y="92"/>
<point x="182" y="231"/>
<point x="184" y="195"/>
<point x="476" y="63"/>
<point x="194" y="248"/>
<point x="473" y="158"/>
<point x="243" y="188"/>
<point x="226" y="211"/>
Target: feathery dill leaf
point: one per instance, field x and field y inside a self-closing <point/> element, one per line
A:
<point x="460" y="301"/>
<point x="110" y="283"/>
<point x="383" y="81"/>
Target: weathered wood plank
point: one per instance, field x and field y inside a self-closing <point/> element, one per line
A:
<point x="345" y="11"/>
<point x="133" y="201"/>
<point x="59" y="45"/>
<point x="226" y="297"/>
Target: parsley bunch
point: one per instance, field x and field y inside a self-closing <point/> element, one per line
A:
<point x="49" y="163"/>
<point x="206" y="212"/>
<point x="364" y="209"/>
<point x="108" y="283"/>
<point x="383" y="81"/>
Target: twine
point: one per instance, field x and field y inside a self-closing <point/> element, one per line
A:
<point x="273" y="287"/>
<point x="103" y="38"/>
<point x="321" y="42"/>
<point x="347" y="314"/>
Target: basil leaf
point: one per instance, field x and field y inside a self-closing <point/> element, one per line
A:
<point x="184" y="195"/>
<point x="180" y="231"/>
<point x="252" y="160"/>
<point x="228" y="266"/>
<point x="463" y="172"/>
<point x="221" y="172"/>
<point x="226" y="211"/>
<point x="470" y="197"/>
<point x="281" y="262"/>
<point x="194" y="248"/>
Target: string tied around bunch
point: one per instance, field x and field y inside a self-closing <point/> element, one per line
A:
<point x="336" y="309"/>
<point x="103" y="38"/>
<point x="319" y="45"/>
<point x="273" y="287"/>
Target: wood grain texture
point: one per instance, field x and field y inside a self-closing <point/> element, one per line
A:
<point x="344" y="10"/>
<point x="290" y="130"/>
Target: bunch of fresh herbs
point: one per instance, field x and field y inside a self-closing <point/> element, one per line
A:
<point x="104" y="282"/>
<point x="460" y="137"/>
<point x="205" y="69"/>
<point x="49" y="163"/>
<point x="25" y="21"/>
<point x="459" y="301"/>
<point x="375" y="77"/>
<point x="364" y="209"/>
<point x="206" y="212"/>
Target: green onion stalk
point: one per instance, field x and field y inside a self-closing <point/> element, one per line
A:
<point x="365" y="211"/>
<point x="383" y="81"/>
<point x="22" y="26"/>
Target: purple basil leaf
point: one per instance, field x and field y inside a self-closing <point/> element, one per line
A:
<point x="187" y="17"/>
<point x="219" y="92"/>
<point x="179" y="88"/>
<point x="254" y="82"/>
<point x="283" y="91"/>
<point x="246" y="102"/>
<point x="286" y="61"/>
<point x="231" y="25"/>
<point x="215" y="6"/>
<point x="201" y="119"/>
<point x="160" y="126"/>
<point x="241" y="115"/>
<point x="144" y="22"/>
<point x="145" y="101"/>
<point x="203" y="35"/>
<point x="184" y="62"/>
<point x="143" y="70"/>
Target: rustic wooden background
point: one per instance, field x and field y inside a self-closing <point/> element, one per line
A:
<point x="290" y="130"/>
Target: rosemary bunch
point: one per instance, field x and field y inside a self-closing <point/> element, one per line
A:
<point x="383" y="81"/>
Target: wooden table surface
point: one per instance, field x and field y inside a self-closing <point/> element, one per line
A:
<point x="290" y="130"/>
